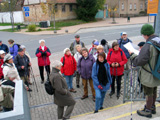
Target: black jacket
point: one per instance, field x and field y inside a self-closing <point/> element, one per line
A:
<point x="22" y="61"/>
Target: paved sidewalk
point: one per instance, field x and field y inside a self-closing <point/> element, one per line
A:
<point x="103" y="23"/>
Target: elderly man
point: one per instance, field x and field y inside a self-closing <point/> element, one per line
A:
<point x="62" y="96"/>
<point x="122" y="41"/>
<point x="76" y="42"/>
<point x="147" y="59"/>
<point x="22" y="63"/>
<point x="43" y="54"/>
<point x="4" y="47"/>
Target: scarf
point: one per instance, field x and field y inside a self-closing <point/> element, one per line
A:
<point x="102" y="74"/>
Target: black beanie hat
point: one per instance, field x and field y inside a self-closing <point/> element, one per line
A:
<point x="103" y="42"/>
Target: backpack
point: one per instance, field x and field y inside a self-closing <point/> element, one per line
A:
<point x="17" y="45"/>
<point x="48" y="87"/>
<point x="156" y="71"/>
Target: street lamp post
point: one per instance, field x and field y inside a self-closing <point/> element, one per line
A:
<point x="11" y="15"/>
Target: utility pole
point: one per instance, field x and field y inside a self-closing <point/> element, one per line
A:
<point x="157" y="27"/>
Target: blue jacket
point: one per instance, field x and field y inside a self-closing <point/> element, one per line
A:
<point x="123" y="42"/>
<point x="13" y="50"/>
<point x="95" y="77"/>
<point x="4" y="47"/>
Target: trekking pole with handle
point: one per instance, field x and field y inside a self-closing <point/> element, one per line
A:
<point x="33" y="77"/>
<point x="131" y="89"/>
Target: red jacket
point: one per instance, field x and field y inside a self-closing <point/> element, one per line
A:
<point x="119" y="57"/>
<point x="70" y="65"/>
<point x="1" y="69"/>
<point x="43" y="60"/>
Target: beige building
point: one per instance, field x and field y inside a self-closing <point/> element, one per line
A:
<point x="64" y="10"/>
<point x="127" y="7"/>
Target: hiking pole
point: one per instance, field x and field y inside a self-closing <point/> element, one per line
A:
<point x="131" y="89"/>
<point x="34" y="78"/>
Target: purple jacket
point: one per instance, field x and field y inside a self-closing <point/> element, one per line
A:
<point x="13" y="50"/>
<point x="85" y="66"/>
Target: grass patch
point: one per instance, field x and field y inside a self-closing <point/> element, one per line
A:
<point x="9" y="24"/>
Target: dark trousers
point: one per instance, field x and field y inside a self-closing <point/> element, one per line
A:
<point x="118" y="80"/>
<point x="41" y="70"/>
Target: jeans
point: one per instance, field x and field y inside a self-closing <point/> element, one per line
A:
<point x="69" y="80"/>
<point x="99" y="98"/>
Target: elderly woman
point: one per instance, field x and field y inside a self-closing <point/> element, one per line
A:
<point x="100" y="49"/>
<point x="116" y="59"/>
<point x="43" y="54"/>
<point x="101" y="79"/>
<point x="85" y="64"/>
<point x="62" y="96"/>
<point x="69" y="68"/>
<point x="13" y="48"/>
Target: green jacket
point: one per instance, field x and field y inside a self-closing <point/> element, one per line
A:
<point x="147" y="54"/>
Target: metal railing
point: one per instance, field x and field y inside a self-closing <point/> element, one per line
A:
<point x="21" y="109"/>
<point x="133" y="88"/>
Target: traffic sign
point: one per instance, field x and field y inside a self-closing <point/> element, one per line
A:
<point x="26" y="9"/>
<point x="26" y="14"/>
<point x="152" y="7"/>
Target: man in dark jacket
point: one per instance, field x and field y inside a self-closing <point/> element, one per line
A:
<point x="122" y="41"/>
<point x="4" y="47"/>
<point x="22" y="63"/>
<point x="62" y="96"/>
<point x="76" y="42"/>
<point x="148" y="54"/>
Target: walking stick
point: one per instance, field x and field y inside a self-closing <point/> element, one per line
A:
<point x="34" y="78"/>
<point x="131" y="89"/>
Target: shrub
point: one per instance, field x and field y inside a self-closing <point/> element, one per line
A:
<point x="32" y="28"/>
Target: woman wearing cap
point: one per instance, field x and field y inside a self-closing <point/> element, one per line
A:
<point x="85" y="64"/>
<point x="9" y="65"/>
<point x="43" y="54"/>
<point x="116" y="59"/>
<point x="94" y="49"/>
<point x="101" y="79"/>
<point x="69" y="68"/>
<point x="2" y="54"/>
<point x="13" y="48"/>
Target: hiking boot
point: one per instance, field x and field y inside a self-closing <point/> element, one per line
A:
<point x="153" y="109"/>
<point x="111" y="93"/>
<point x="101" y="108"/>
<point x="145" y="112"/>
<point x="96" y="111"/>
<point x="84" y="97"/>
<point x="73" y="90"/>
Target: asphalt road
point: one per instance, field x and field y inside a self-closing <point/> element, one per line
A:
<point x="57" y="43"/>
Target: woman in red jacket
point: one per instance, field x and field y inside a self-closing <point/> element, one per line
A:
<point x="43" y="54"/>
<point x="116" y="59"/>
<point x="69" y="68"/>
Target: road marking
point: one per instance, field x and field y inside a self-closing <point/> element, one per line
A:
<point x="102" y="110"/>
<point x="126" y="114"/>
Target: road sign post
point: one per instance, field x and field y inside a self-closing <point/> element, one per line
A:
<point x="26" y="9"/>
<point x="157" y="28"/>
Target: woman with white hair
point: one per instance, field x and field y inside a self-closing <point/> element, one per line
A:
<point x="100" y="49"/>
<point x="43" y="54"/>
<point x="62" y="96"/>
<point x="69" y="68"/>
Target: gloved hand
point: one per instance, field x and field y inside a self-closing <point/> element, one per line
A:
<point x="100" y="87"/>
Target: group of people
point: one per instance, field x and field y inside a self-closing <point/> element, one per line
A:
<point x="101" y="66"/>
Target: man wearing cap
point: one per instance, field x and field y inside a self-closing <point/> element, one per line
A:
<point x="122" y="41"/>
<point x="2" y="54"/>
<point x="43" y="54"/>
<point x="22" y="63"/>
<point x="4" y="47"/>
<point x="148" y="54"/>
<point x="76" y="42"/>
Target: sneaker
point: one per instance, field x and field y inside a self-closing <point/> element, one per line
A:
<point x="73" y="90"/>
<point x="77" y="86"/>
<point x="153" y="109"/>
<point x="145" y="112"/>
<point x="84" y="97"/>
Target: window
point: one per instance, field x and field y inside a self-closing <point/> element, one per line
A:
<point x="135" y="7"/>
<point x="56" y="7"/>
<point x="141" y="6"/>
<point x="122" y="6"/>
<point x="130" y="6"/>
<point x="70" y="7"/>
<point x="63" y="8"/>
